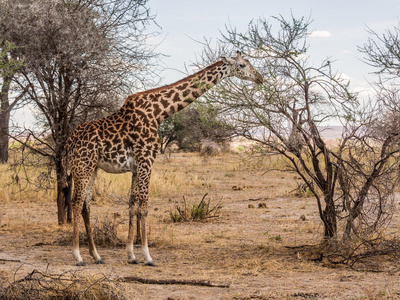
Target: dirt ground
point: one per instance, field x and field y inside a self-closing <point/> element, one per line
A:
<point x="250" y="246"/>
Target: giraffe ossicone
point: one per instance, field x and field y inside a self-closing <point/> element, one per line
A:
<point x="127" y="141"/>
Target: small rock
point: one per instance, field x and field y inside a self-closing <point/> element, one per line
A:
<point x="262" y="205"/>
<point x="250" y="206"/>
<point x="303" y="217"/>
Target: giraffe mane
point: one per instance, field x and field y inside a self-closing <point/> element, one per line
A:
<point x="171" y="85"/>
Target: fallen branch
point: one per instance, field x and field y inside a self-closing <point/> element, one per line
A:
<point x="171" y="281"/>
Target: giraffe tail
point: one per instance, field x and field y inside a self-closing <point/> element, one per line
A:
<point x="67" y="189"/>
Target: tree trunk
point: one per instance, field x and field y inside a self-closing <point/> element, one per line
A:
<point x="61" y="185"/>
<point x="64" y="185"/>
<point x="4" y="132"/>
<point x="4" y="122"/>
<point x="329" y="218"/>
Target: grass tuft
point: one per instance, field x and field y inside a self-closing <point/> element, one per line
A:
<point x="201" y="211"/>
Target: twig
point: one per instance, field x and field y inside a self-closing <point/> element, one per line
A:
<point x="257" y="199"/>
<point x="10" y="260"/>
<point x="171" y="281"/>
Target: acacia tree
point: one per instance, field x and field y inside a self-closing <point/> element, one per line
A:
<point x="79" y="57"/>
<point x="288" y="113"/>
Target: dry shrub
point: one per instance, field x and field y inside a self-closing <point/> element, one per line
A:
<point x="373" y="255"/>
<point x="69" y="285"/>
<point x="201" y="211"/>
<point x="378" y="254"/>
<point x="302" y="190"/>
<point x="105" y="234"/>
<point x="209" y="148"/>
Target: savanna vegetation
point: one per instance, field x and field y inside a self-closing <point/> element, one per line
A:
<point x="248" y="199"/>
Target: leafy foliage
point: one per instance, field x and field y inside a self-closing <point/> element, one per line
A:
<point x="193" y="126"/>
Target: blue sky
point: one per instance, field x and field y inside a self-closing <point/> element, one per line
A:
<point x="341" y="23"/>
<point x="342" y="26"/>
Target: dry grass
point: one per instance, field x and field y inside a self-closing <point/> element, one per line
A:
<point x="247" y="246"/>
<point x="69" y="285"/>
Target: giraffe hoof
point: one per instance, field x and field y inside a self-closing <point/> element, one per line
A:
<point x="133" y="262"/>
<point x="150" y="263"/>
<point x="99" y="262"/>
<point x="81" y="263"/>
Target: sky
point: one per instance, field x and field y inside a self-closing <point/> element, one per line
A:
<point x="339" y="27"/>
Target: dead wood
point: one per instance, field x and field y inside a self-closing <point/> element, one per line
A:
<point x="257" y="199"/>
<point x="172" y="281"/>
<point x="10" y="260"/>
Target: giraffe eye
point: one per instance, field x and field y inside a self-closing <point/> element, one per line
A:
<point x="242" y="65"/>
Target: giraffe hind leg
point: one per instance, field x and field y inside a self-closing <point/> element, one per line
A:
<point x="133" y="207"/>
<point x="77" y="205"/>
<point x="89" y="232"/>
<point x="81" y="205"/>
<point x="86" y="219"/>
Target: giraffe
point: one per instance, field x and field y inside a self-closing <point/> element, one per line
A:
<point x="127" y="141"/>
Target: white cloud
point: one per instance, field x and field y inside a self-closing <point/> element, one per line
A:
<point x="320" y="33"/>
<point x="344" y="76"/>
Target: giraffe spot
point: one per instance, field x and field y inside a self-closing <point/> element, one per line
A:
<point x="116" y="140"/>
<point x="150" y="140"/>
<point x="112" y="129"/>
<point x="182" y="87"/>
<point x="185" y="93"/>
<point x="157" y="109"/>
<point x="164" y="103"/>
<point x="107" y="145"/>
<point x="127" y="143"/>
<point x="139" y="102"/>
<point x="169" y="94"/>
<point x="124" y="128"/>
<point x="177" y="97"/>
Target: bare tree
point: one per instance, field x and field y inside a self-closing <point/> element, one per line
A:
<point x="79" y="57"/>
<point x="382" y="52"/>
<point x="288" y="114"/>
<point x="8" y="69"/>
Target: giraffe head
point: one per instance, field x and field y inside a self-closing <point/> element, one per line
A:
<point x="242" y="68"/>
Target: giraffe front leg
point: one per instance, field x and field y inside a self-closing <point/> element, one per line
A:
<point x="143" y="210"/>
<point x="141" y="191"/>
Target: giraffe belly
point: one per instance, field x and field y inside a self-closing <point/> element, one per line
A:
<point x="121" y="165"/>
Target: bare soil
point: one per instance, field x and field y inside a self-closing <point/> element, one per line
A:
<point x="251" y="246"/>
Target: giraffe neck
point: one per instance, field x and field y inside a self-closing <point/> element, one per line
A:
<point x="168" y="100"/>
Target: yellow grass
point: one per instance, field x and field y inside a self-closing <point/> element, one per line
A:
<point x="247" y="246"/>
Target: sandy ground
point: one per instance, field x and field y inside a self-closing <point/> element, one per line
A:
<point x="246" y="247"/>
